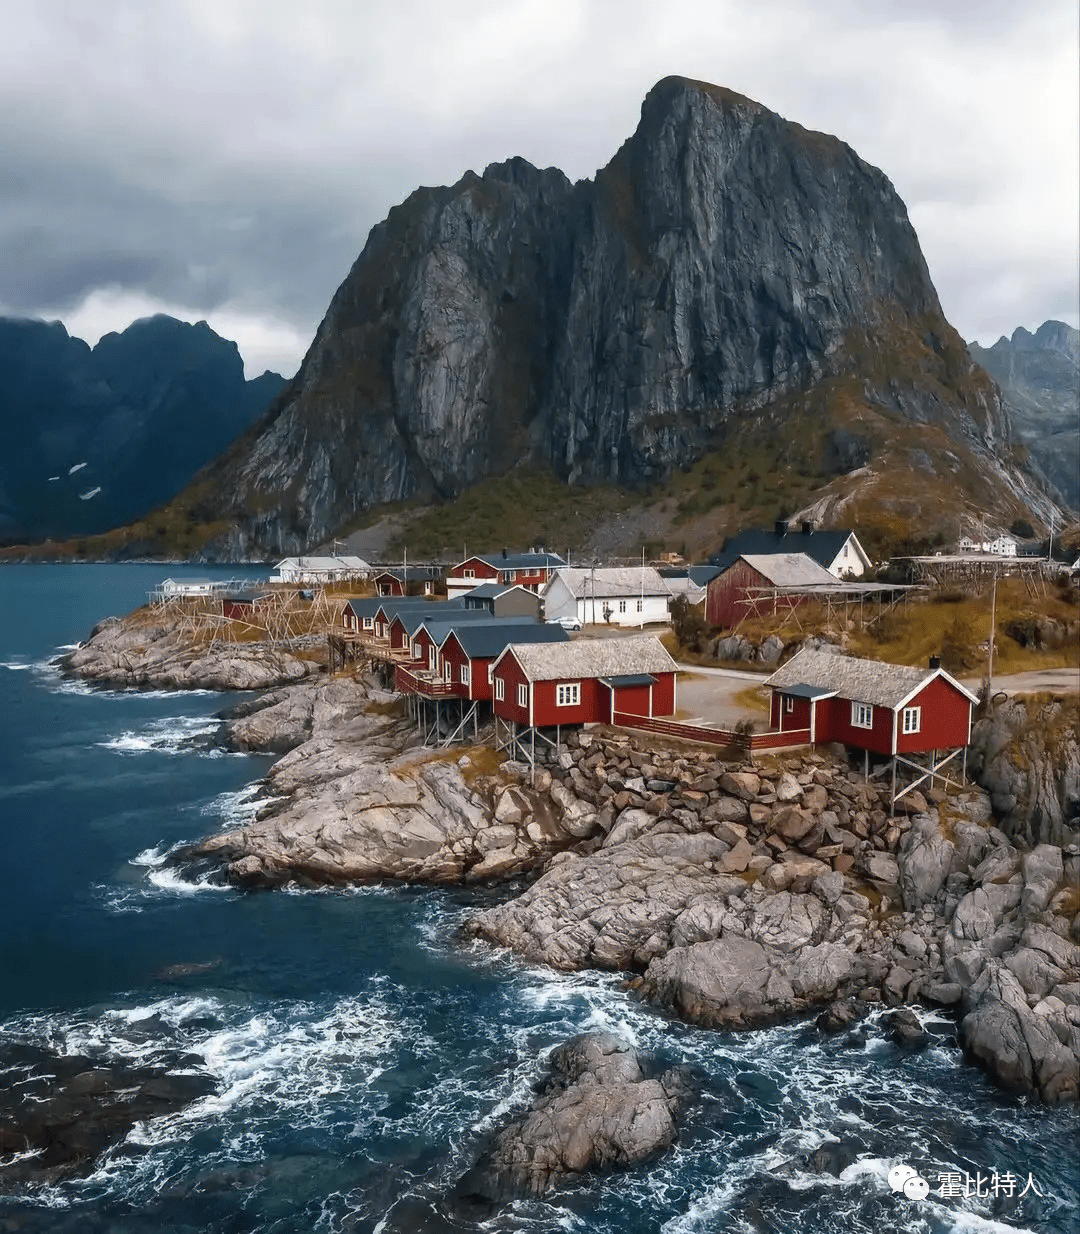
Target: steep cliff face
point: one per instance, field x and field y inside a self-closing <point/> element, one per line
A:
<point x="1039" y="376"/>
<point x="723" y="260"/>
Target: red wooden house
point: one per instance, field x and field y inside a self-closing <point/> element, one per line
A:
<point x="589" y="681"/>
<point x="888" y="709"/>
<point x="467" y="652"/>
<point x="767" y="583"/>
<point x="531" y="570"/>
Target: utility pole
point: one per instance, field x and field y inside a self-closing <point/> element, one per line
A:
<point x="993" y="630"/>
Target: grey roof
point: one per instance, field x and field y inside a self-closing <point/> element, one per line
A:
<point x="805" y="691"/>
<point x="414" y="618"/>
<point x="863" y="681"/>
<point x="519" y="561"/>
<point x="612" y="581"/>
<point x="701" y="576"/>
<point x="340" y="564"/>
<point x="629" y="679"/>
<point x="487" y="591"/>
<point x="822" y="546"/>
<point x="483" y="641"/>
<point x="788" y="569"/>
<point x="391" y="606"/>
<point x="416" y="574"/>
<point x="594" y="657"/>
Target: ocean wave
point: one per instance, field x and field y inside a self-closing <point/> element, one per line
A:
<point x="171" y="735"/>
<point x="237" y="807"/>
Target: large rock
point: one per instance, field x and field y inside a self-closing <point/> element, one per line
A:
<point x="736" y="982"/>
<point x="1026" y="753"/>
<point x="1017" y="1046"/>
<point x="1043" y="871"/>
<point x="599" y="1110"/>
<point x="925" y="862"/>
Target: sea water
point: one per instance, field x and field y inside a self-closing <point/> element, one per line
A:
<point x="362" y="1051"/>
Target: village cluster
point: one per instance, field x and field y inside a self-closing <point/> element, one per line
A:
<point x="535" y="645"/>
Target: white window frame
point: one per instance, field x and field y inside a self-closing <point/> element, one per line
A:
<point x="622" y="606"/>
<point x="640" y="604"/>
<point x="468" y="574"/>
<point x="447" y="671"/>
<point x="500" y="690"/>
<point x="416" y="651"/>
<point x="464" y="674"/>
<point x="506" y="576"/>
<point x="568" y="694"/>
<point x="789" y="704"/>
<point x="862" y="715"/>
<point x="369" y="622"/>
<point x="522" y="695"/>
<point x="912" y="719"/>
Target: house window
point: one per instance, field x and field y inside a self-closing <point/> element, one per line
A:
<point x="417" y="651"/>
<point x="568" y="695"/>
<point x="862" y="715"/>
<point x="447" y="670"/>
<point x="789" y="704"/>
<point x="912" y="719"/>
<point x="468" y="574"/>
<point x="500" y="689"/>
<point x="507" y="576"/>
<point x="640" y="605"/>
<point x="464" y="674"/>
<point x="523" y="696"/>
<point x="622" y="606"/>
<point x="368" y="623"/>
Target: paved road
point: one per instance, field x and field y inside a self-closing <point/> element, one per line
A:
<point x="1035" y="681"/>
<point x="732" y="674"/>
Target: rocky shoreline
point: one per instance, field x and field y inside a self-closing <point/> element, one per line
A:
<point x="731" y="895"/>
<point x="141" y="651"/>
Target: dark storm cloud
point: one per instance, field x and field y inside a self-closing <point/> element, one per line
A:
<point x="225" y="158"/>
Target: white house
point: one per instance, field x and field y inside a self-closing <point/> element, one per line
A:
<point x="607" y="595"/>
<point x="186" y="587"/>
<point x="320" y="569"/>
<point x="1001" y="546"/>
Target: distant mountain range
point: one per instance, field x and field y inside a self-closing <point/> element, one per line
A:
<point x="97" y="436"/>
<point x="1039" y="376"/>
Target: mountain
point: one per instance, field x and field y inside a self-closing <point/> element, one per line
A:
<point x="96" y="437"/>
<point x="729" y="278"/>
<point x="1039" y="377"/>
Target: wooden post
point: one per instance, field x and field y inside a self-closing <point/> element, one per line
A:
<point x="866" y="762"/>
<point x="892" y="799"/>
<point x="990" y="656"/>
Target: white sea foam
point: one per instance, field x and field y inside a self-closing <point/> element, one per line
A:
<point x="172" y="735"/>
<point x="240" y="806"/>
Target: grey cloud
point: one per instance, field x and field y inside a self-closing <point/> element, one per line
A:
<point x="228" y="153"/>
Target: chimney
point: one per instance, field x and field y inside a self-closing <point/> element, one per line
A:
<point x="935" y="662"/>
<point x="807" y="528"/>
<point x="781" y="527"/>
<point x="505" y="554"/>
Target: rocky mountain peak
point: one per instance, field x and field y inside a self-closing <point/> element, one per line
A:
<point x="612" y="329"/>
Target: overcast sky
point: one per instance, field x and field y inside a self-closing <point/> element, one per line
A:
<point x="225" y="159"/>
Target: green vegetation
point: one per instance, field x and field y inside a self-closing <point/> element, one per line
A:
<point x="528" y="506"/>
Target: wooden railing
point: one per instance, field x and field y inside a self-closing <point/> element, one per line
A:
<point x="415" y="681"/>
<point x="759" y="742"/>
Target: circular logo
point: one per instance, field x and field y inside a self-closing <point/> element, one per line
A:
<point x="916" y="1188"/>
<point x="899" y="1175"/>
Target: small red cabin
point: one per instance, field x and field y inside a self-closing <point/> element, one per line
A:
<point x="769" y="582"/>
<point x="888" y="709"/>
<point x="584" y="682"/>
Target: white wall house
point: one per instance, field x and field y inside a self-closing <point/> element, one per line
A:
<point x="320" y="569"/>
<point x="617" y="596"/>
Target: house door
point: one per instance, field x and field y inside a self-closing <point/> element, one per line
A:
<point x="431" y="653"/>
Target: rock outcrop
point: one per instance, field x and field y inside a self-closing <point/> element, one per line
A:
<point x="598" y="1110"/>
<point x="141" y="651"/>
<point x="59" y="1112"/>
<point x="725" y="260"/>
<point x="1026" y="754"/>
